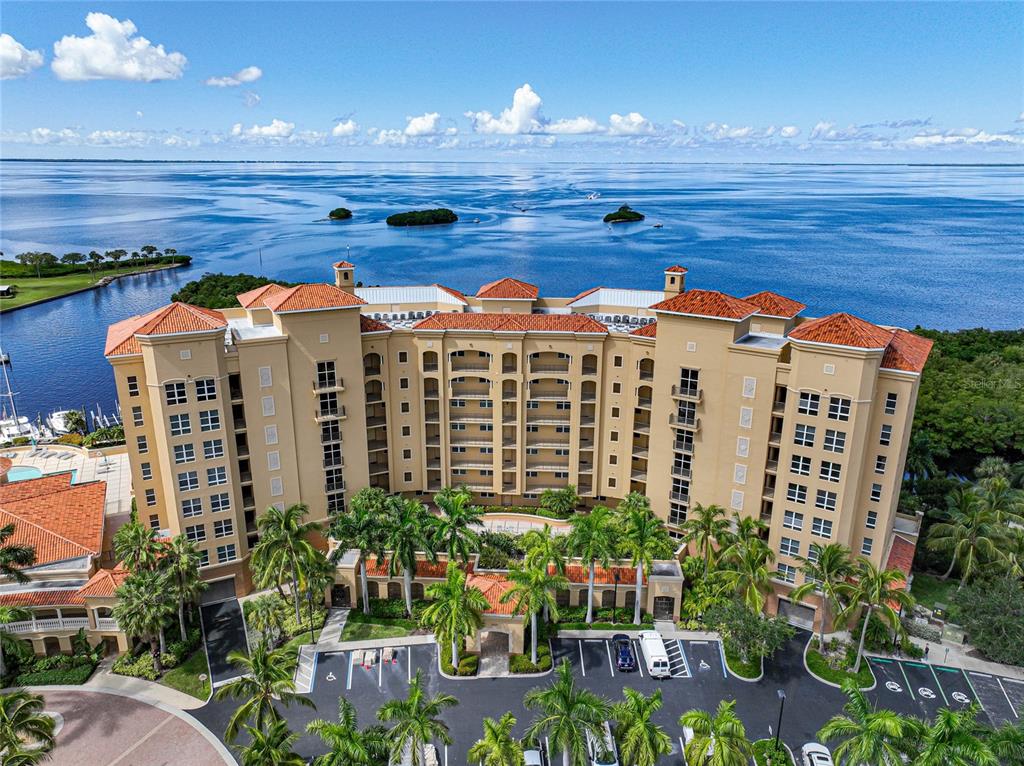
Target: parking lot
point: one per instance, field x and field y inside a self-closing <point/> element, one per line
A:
<point x="699" y="680"/>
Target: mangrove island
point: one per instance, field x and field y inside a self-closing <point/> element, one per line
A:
<point x="422" y="217"/>
<point x="624" y="214"/>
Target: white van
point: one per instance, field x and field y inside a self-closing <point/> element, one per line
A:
<point x="655" y="655"/>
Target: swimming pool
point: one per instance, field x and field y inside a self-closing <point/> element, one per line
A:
<point x="23" y="472"/>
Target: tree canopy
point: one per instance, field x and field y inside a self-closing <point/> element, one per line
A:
<point x="219" y="291"/>
<point x="422" y="217"/>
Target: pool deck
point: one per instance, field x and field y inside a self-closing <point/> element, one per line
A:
<point x="88" y="465"/>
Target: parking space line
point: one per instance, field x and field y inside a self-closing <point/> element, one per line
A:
<point x="351" y="661"/>
<point x="907" y="680"/>
<point x="1008" y="700"/>
<point x="941" y="690"/>
<point x="446" y="755"/>
<point x="686" y="663"/>
<point x="975" y="691"/>
<point x="721" y="655"/>
<point x="408" y="665"/>
<point x="380" y="673"/>
<point x="583" y="667"/>
<point x="611" y="665"/>
<point x="639" y="663"/>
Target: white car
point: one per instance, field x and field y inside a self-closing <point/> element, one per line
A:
<point x="533" y="758"/>
<point x="814" y="754"/>
<point x="602" y="751"/>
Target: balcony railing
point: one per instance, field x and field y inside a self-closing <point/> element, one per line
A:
<point x="689" y="423"/>
<point x="590" y="371"/>
<point x="646" y="374"/>
<point x="107" y="623"/>
<point x="329" y="383"/>
<point x="679" y="497"/>
<point x="481" y="366"/>
<point x="638" y="476"/>
<point x="371" y="372"/>
<point x="688" y="393"/>
<point x="329" y="413"/>
<point x="430" y="367"/>
<point x="334" y="486"/>
<point x="681" y="473"/>
<point x="334" y="462"/>
<point x="644" y="403"/>
<point x="431" y="393"/>
<point x="683" y="446"/>
<point x="549" y="367"/>
<point x="50" y="623"/>
<point x="376" y="422"/>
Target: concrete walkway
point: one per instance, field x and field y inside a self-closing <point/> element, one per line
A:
<point x="105" y="680"/>
<point x="333" y="627"/>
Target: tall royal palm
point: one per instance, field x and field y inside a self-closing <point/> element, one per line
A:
<point x="498" y="746"/>
<point x="1002" y="499"/>
<point x="455" y="612"/>
<point x="455" y="529"/>
<point x="868" y="735"/>
<point x="955" y="738"/>
<point x="143" y="608"/>
<point x="565" y="715"/>
<point x="14" y="556"/>
<point x="271" y="746"/>
<point x="970" y="533"/>
<point x="348" y="744"/>
<point x="137" y="546"/>
<point x="641" y="741"/>
<point x="416" y="721"/>
<point x="9" y="614"/>
<point x="531" y="593"/>
<point x="546" y="550"/>
<point x="284" y="547"/>
<point x="825" y="570"/>
<point x="265" y="675"/>
<point x="719" y="739"/>
<point x="180" y="565"/>
<point x="875" y="591"/>
<point x="705" y="527"/>
<point x="408" y="531"/>
<point x="22" y="721"/>
<point x="361" y="528"/>
<point x="643" y="536"/>
<point x="592" y="539"/>
<point x="747" y="571"/>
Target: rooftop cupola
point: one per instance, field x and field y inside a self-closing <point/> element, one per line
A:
<point x="345" y="276"/>
<point x="675" y="281"/>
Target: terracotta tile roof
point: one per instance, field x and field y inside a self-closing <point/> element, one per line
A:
<point x="344" y="265"/>
<point x="707" y="303"/>
<point x="775" y="305"/>
<point x="104" y="582"/>
<point x="511" y="322"/>
<point x="254" y="298"/>
<point x="906" y="351"/>
<point x="170" y="319"/>
<point x="62" y="524"/>
<point x="311" y="297"/>
<point x="435" y="570"/>
<point x="579" y="574"/>
<point x="451" y="291"/>
<point x="677" y="269"/>
<point x="584" y="294"/>
<point x="42" y="597"/>
<point x="45" y="485"/>
<point x="508" y="288"/>
<point x="901" y="554"/>
<point x="647" y="331"/>
<point x="369" y="324"/>
<point x="493" y="587"/>
<point x="842" y="330"/>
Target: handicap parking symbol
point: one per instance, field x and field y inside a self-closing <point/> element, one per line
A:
<point x="893" y="686"/>
<point x="704" y="665"/>
<point x="926" y="693"/>
<point x="960" y="697"/>
<point x="331" y="676"/>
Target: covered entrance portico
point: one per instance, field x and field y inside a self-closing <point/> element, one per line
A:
<point x="494" y="649"/>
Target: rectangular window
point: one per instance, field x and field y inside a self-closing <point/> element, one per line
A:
<point x="141" y="444"/>
<point x="872" y="520"/>
<point x="562" y="429"/>
<point x="830" y="471"/>
<point x="739" y="473"/>
<point x="821" y="528"/>
<point x="196" y="533"/>
<point x="613" y="436"/>
<point x="789" y="547"/>
<point x="267" y="403"/>
<point x="266" y="379"/>
<point x="206" y="389"/>
<point x="749" y="388"/>
<point x="209" y="420"/>
<point x="403" y="383"/>
<point x="677" y="514"/>
<point x="188" y="481"/>
<point x="137" y="420"/>
<point x="615" y="412"/>
<point x="803" y="435"/>
<point x="184" y="453"/>
<point x="154" y="522"/>
<point x="274" y="457"/>
<point x="150" y="497"/>
<point x="225" y="553"/>
<point x="213" y="449"/>
<point x="204" y="557"/>
<point x="462" y="426"/>
<point x="800" y="465"/>
<point x="746" y="417"/>
<point x="133" y="385"/>
<point x="835" y="441"/>
<point x="220" y="502"/>
<point x="462" y="403"/>
<point x="866" y="545"/>
<point x="270" y="435"/>
<point x="809" y="403"/>
<point x="216" y="476"/>
<point x="736" y="500"/>
<point x="617" y="361"/>
<point x="793" y="520"/>
<point x="458" y="472"/>
<point x="180" y="424"/>
<point x="890" y="403"/>
<point x="407" y="477"/>
<point x="796" y="493"/>
<point x="405" y="408"/>
<point x="146" y="470"/>
<point x="616" y="388"/>
<point x="786" y="573"/>
<point x="563" y="405"/>
<point x="558" y="474"/>
<point x="175" y="393"/>
<point x="403" y="357"/>
<point x="223" y="528"/>
<point x="407" y="454"/>
<point x="825" y="500"/>
<point x="193" y="506"/>
<point x="326" y="376"/>
<point x="486" y="404"/>
<point x="406" y="430"/>
<point x="458" y="450"/>
<point x="885" y="437"/>
<point x="276" y="486"/>
<point x="880" y="464"/>
<point x="838" y="408"/>
<point x="876" y="492"/>
<point x="742" y="446"/>
<point x="487" y="427"/>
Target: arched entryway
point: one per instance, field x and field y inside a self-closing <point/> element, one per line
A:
<point x="494" y="649"/>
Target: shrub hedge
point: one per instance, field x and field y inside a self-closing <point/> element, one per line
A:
<point x="520" y="663"/>
<point x="468" y="662"/>
<point x="77" y="674"/>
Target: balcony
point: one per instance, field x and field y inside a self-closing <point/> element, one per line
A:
<point x="432" y="417"/>
<point x="431" y="393"/>
<point x="239" y="424"/>
<point x="686" y="447"/>
<point x="107" y="623"/>
<point x="376" y="445"/>
<point x="245" y="477"/>
<point x="643" y="403"/>
<point x="235" y="394"/>
<point x="371" y="371"/>
<point x="775" y="438"/>
<point x="689" y="423"/>
<point x="471" y="442"/>
<point x="328" y="383"/>
<point x="646" y="374"/>
<point x="547" y="420"/>
<point x="376" y="422"/>
<point x="433" y="440"/>
<point x="430" y="367"/>
<point x="550" y="396"/>
<point x="509" y="396"/>
<point x="772" y="466"/>
<point x="587" y="420"/>
<point x="508" y="488"/>
<point x="586" y="468"/>
<point x="458" y="417"/>
<point x="586" y="444"/>
<point x="641" y="453"/>
<point x="477" y="365"/>
<point x="322" y="414"/>
<point x="548" y="465"/>
<point x="679" y="497"/>
<point x="334" y="486"/>
<point x="778" y="408"/>
<point x="681" y="473"/>
<point x="639" y="476"/>
<point x="374" y="397"/>
<point x="589" y="371"/>
<point x="688" y="393"/>
<point x="477" y="464"/>
<point x="50" y="623"/>
<point x="376" y="469"/>
<point x="434" y="463"/>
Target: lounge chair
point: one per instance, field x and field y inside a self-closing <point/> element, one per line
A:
<point x="370" y="657"/>
<point x="357" y="657"/>
<point x="388" y="655"/>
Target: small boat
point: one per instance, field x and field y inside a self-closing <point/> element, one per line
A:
<point x="57" y="421"/>
<point x="658" y="225"/>
<point x="593" y="195"/>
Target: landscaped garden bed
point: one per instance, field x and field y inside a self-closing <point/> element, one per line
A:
<point x="749" y="670"/>
<point x="522" y="663"/>
<point x="766" y="754"/>
<point x="191" y="677"/>
<point x="59" y="669"/>
<point x="142" y="665"/>
<point x="836" y="665"/>
<point x="575" y="618"/>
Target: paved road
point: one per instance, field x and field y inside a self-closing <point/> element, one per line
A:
<point x="224" y="628"/>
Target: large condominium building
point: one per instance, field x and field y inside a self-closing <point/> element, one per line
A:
<point x="308" y="393"/>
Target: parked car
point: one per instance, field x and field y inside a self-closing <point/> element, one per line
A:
<point x="688" y="736"/>
<point x="602" y="750"/>
<point x="533" y="758"/>
<point x="625" y="659"/>
<point x="814" y="754"/>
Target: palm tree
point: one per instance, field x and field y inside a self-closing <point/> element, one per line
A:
<point x="874" y="591"/>
<point x="746" y="528"/>
<point x="566" y="714"/>
<point x="955" y="738"/>
<point x="1014" y="553"/>
<point x="137" y="546"/>
<point x="454" y="611"/>
<point x="722" y="734"/>
<point x="642" y="742"/>
<point x="1007" y="742"/>
<point x="992" y="467"/>
<point x="971" y="533"/>
<point x="497" y="747"/>
<point x="181" y="566"/>
<point x="561" y="502"/>
<point x="361" y="528"/>
<point x="1002" y="500"/>
<point x="416" y="721"/>
<point x="23" y="722"/>
<point x="284" y="547"/>
<point x="748" y="572"/>
<point x="544" y="549"/>
<point x="349" y="745"/>
<point x="921" y="454"/>
<point x="407" y="530"/>
<point x="264" y="676"/>
<point x="454" y="531"/>
<point x="271" y="746"/>
<point x="9" y="614"/>
<point x="869" y="736"/>
<point x="643" y="537"/>
<point x="532" y="590"/>
<point x="266" y="614"/>
<point x="592" y="539"/>
<point x="825" y="569"/>
<point x="14" y="556"/>
<point x="143" y="608"/>
<point x="705" y="528"/>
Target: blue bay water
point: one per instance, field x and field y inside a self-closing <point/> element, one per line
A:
<point x="937" y="246"/>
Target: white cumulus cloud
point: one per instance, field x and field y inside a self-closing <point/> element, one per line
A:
<point x="631" y="124"/>
<point x="424" y="125"/>
<point x="114" y="52"/>
<point x="276" y="129"/>
<point x="345" y="128"/>
<point x="573" y="126"/>
<point x="15" y="59"/>
<point x="522" y="117"/>
<point x="789" y="131"/>
<point x="242" y="76"/>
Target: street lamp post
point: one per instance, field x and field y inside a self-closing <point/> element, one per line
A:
<point x="782" y="705"/>
<point x="615" y="594"/>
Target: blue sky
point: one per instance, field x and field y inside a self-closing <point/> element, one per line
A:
<point x="877" y="82"/>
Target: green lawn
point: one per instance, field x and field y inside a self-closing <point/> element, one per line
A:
<point x="750" y="669"/>
<point x="302" y="638"/>
<point x="185" y="677"/>
<point x="929" y="590"/>
<point x="363" y="631"/>
<point x="31" y="289"/>
<point x="820" y="667"/>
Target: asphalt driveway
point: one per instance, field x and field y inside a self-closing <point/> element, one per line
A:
<point x="224" y="630"/>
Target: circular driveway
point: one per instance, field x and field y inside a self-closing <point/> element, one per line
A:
<point x="107" y="729"/>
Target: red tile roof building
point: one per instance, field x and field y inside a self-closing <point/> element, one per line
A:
<point x="508" y="289"/>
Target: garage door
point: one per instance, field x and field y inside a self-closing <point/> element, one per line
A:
<point x="221" y="590"/>
<point x="800" y="615"/>
<point x="663" y="607"/>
